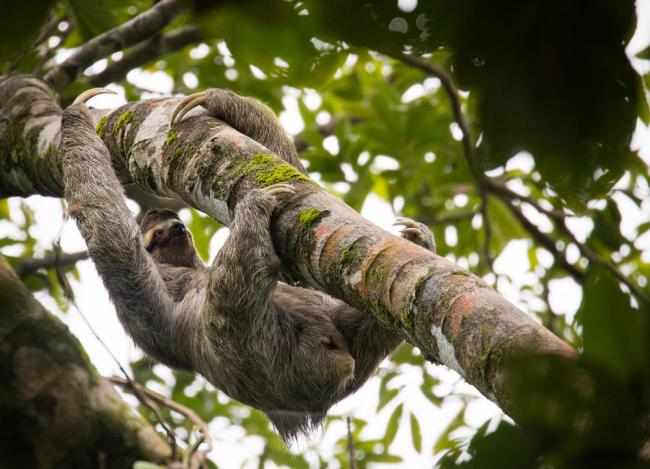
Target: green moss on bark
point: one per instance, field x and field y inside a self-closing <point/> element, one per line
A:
<point x="100" y="128"/>
<point x="124" y="119"/>
<point x="267" y="170"/>
<point x="171" y="137"/>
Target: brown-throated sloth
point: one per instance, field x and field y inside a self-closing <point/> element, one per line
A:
<point x="289" y="351"/>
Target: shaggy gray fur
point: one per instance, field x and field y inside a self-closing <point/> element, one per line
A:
<point x="254" y="119"/>
<point x="289" y="351"/>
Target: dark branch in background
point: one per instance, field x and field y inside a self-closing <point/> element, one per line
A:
<point x="132" y="32"/>
<point x="31" y="265"/>
<point x="325" y="130"/>
<point x="549" y="243"/>
<point x="468" y="147"/>
<point x="154" y="399"/>
<point x="446" y="219"/>
<point x="559" y="220"/>
<point x="142" y="53"/>
<point x="488" y="185"/>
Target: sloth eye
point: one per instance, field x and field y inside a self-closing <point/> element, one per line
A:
<point x="154" y="240"/>
<point x="328" y="342"/>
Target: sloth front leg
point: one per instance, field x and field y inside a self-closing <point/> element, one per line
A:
<point x="246" y="115"/>
<point x="244" y="274"/>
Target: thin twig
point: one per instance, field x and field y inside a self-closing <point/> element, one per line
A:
<point x="447" y="219"/>
<point x="125" y="35"/>
<point x="186" y="412"/>
<point x="351" y="451"/>
<point x="548" y="242"/>
<point x="32" y="264"/>
<point x="468" y="147"/>
<point x="559" y="219"/>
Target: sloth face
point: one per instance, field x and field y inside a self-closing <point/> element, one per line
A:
<point x="167" y="239"/>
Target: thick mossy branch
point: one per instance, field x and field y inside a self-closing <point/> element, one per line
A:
<point x="448" y="313"/>
<point x="61" y="413"/>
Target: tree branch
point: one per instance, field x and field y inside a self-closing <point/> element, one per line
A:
<point x="559" y="220"/>
<point x="60" y="411"/>
<point x="132" y="32"/>
<point x="468" y="146"/>
<point x="142" y="53"/>
<point x="32" y="264"/>
<point x="487" y="184"/>
<point x="450" y="314"/>
<point x="549" y="243"/>
<point x="153" y="398"/>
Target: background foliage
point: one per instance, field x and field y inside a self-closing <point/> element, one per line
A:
<point x="553" y="102"/>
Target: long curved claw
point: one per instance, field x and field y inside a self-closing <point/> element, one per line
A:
<point x="186" y="105"/>
<point x="86" y="95"/>
<point x="413" y="231"/>
<point x="406" y="222"/>
<point x="279" y="189"/>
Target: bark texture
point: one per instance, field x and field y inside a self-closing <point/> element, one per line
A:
<point x="56" y="411"/>
<point x="451" y="315"/>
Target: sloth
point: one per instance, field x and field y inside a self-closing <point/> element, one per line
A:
<point x="287" y="350"/>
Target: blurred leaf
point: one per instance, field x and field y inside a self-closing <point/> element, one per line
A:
<point x="386" y="395"/>
<point x="20" y="24"/>
<point x="504" y="225"/>
<point x="644" y="54"/>
<point x="393" y="424"/>
<point x="91" y="17"/>
<point x="615" y="335"/>
<point x="606" y="235"/>
<point x="416" y="435"/>
<point x="202" y="229"/>
<point x="506" y="448"/>
<point x="142" y="371"/>
<point x="4" y="209"/>
<point x="444" y="440"/>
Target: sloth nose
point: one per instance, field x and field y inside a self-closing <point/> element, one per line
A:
<point x="178" y="228"/>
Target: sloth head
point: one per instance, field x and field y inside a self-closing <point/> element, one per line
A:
<point x="168" y="240"/>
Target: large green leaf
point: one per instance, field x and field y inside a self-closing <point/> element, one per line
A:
<point x="615" y="334"/>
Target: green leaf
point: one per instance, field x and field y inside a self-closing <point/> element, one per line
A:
<point x="20" y="23"/>
<point x="644" y="54"/>
<point x="615" y="335"/>
<point x="416" y="435"/>
<point x="91" y="17"/>
<point x="385" y="394"/>
<point x="444" y="440"/>
<point x="606" y="235"/>
<point x="393" y="424"/>
<point x="385" y="458"/>
<point x="4" y="209"/>
<point x="202" y="228"/>
<point x="504" y="225"/>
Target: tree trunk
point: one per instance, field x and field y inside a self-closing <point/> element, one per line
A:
<point x="56" y="410"/>
<point x="451" y="315"/>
